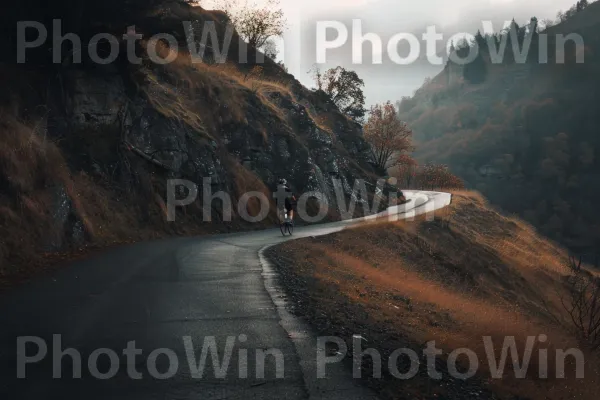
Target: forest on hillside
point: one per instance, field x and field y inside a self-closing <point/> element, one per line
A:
<point x="523" y="132"/>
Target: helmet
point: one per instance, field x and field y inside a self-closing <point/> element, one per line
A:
<point x="283" y="182"/>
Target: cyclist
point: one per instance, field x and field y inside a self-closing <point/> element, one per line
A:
<point x="289" y="203"/>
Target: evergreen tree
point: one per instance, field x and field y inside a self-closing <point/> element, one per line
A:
<point x="532" y="55"/>
<point x="533" y="26"/>
<point x="481" y="41"/>
<point x="514" y="31"/>
<point x="476" y="71"/>
<point x="463" y="49"/>
<point x="452" y="48"/>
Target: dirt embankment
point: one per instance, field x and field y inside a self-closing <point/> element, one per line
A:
<point x="468" y="274"/>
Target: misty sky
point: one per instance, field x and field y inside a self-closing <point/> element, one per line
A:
<point x="386" y="18"/>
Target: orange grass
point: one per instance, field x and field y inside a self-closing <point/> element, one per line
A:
<point x="512" y="288"/>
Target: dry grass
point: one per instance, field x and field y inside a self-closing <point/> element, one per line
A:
<point x="469" y="274"/>
<point x="33" y="172"/>
<point x="225" y="83"/>
<point x="213" y="100"/>
<point x="203" y="97"/>
<point x="471" y="195"/>
<point x="264" y="87"/>
<point x="29" y="168"/>
<point x="247" y="182"/>
<point x="173" y="103"/>
<point x="217" y="101"/>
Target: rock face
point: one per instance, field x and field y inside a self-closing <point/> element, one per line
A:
<point x="108" y="138"/>
<point x="97" y="100"/>
<point x="68" y="228"/>
<point x="116" y="133"/>
<point x="94" y="101"/>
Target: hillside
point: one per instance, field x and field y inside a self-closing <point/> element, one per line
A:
<point x="524" y="134"/>
<point x="86" y="150"/>
<point x="468" y="274"/>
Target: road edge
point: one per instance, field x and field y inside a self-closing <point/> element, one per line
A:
<point x="339" y="384"/>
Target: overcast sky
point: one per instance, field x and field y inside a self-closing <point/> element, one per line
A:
<point x="386" y="18"/>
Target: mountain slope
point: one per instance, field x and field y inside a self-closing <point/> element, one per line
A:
<point x="469" y="274"/>
<point x="526" y="135"/>
<point x="87" y="150"/>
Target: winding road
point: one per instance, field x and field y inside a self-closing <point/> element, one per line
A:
<point x="176" y="295"/>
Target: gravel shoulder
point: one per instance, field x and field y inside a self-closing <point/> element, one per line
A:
<point x="332" y="313"/>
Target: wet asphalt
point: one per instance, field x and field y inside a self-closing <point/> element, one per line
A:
<point x="138" y="319"/>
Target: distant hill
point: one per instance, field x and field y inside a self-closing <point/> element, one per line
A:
<point x="524" y="134"/>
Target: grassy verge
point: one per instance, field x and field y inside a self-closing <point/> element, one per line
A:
<point x="468" y="274"/>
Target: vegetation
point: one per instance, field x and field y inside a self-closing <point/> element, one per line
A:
<point x="257" y="25"/>
<point x="432" y="176"/>
<point x="389" y="137"/>
<point x="391" y="144"/>
<point x="565" y="15"/>
<point x="410" y="175"/>
<point x="469" y="273"/>
<point x="582" y="303"/>
<point x="198" y="119"/>
<point x="522" y="133"/>
<point x="344" y="88"/>
<point x="476" y="71"/>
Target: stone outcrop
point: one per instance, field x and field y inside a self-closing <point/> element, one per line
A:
<point x="312" y="159"/>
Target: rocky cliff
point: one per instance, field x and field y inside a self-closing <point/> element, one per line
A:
<point x="88" y="149"/>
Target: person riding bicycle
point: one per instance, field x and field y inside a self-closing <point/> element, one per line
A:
<point x="289" y="203"/>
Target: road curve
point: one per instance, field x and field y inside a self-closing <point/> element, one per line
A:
<point x="158" y="293"/>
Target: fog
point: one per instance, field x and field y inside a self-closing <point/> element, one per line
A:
<point x="386" y="18"/>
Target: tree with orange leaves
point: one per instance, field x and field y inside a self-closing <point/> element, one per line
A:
<point x="389" y="137"/>
<point x="405" y="171"/>
<point x="436" y="176"/>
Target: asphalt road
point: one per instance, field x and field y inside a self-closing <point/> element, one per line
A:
<point x="172" y="298"/>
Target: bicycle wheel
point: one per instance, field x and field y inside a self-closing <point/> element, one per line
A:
<point x="290" y="228"/>
<point x="282" y="228"/>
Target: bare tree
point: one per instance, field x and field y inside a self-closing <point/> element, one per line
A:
<point x="344" y="88"/>
<point x="388" y="136"/>
<point x="575" y="263"/>
<point x="317" y="76"/>
<point x="256" y="24"/>
<point x="583" y="306"/>
<point x="270" y="49"/>
<point x="545" y="24"/>
<point x="405" y="171"/>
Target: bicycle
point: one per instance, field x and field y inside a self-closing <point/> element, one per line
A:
<point x="286" y="226"/>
